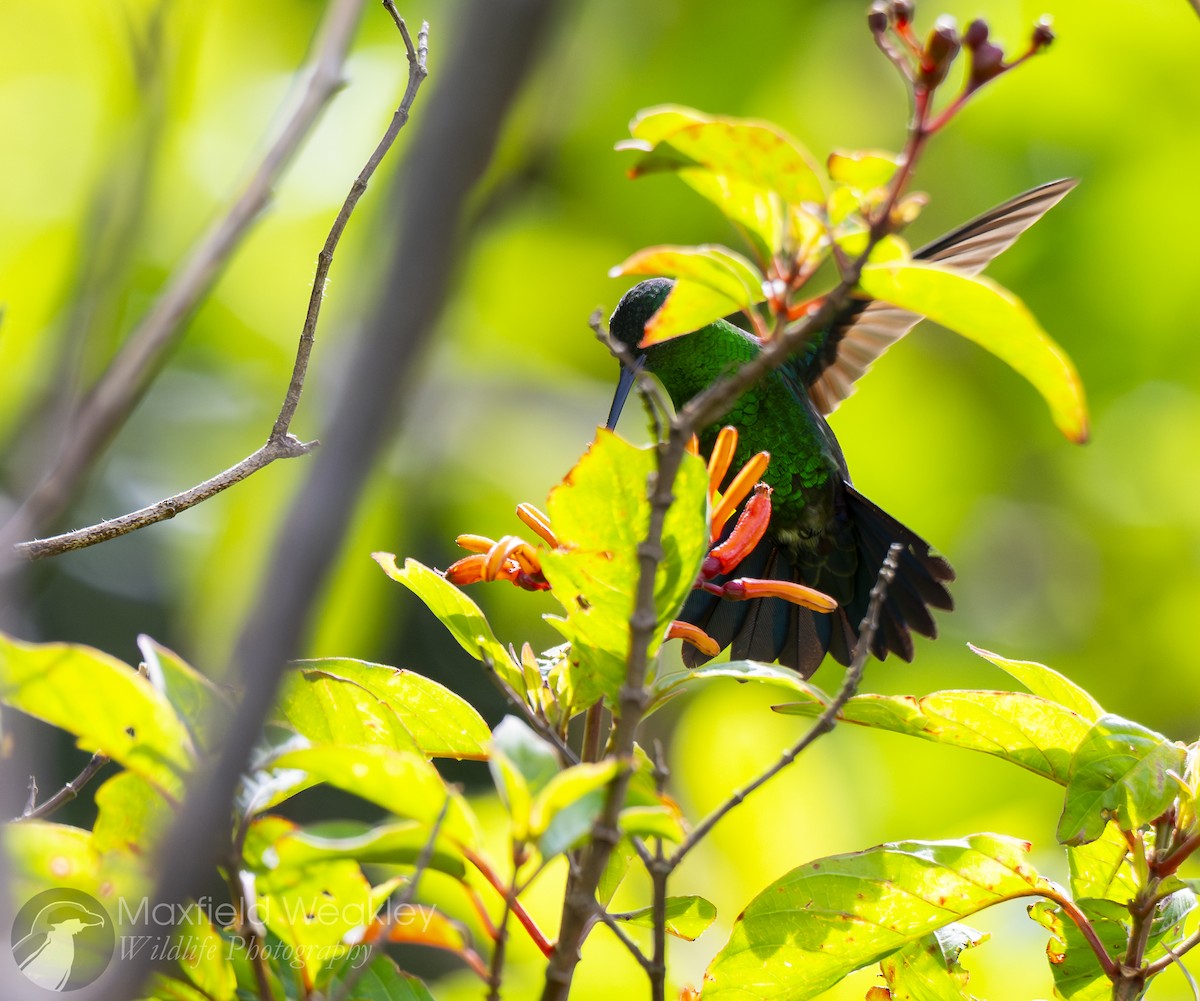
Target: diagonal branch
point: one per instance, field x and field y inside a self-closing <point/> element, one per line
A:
<point x="825" y="722"/>
<point x="123" y="384"/>
<point x="281" y="444"/>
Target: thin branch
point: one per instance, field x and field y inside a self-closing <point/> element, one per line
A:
<point x="496" y="968"/>
<point x="1195" y="5"/>
<point x="280" y="443"/>
<point x="65" y="794"/>
<point x="1176" y="956"/>
<point x="417" y="72"/>
<point x="535" y="933"/>
<point x="828" y="718"/>
<point x="407" y="894"/>
<point x="287" y="447"/>
<point x="123" y="384"/>
<point x="611" y="922"/>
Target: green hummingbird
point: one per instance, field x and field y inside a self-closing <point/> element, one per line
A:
<point x="823" y="533"/>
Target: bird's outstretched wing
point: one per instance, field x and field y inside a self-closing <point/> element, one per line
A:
<point x="868" y="328"/>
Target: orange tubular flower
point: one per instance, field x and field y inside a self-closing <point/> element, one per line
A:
<point x="724" y="556"/>
<point x="510" y="558"/>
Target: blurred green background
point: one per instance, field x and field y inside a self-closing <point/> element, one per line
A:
<point x="1083" y="558"/>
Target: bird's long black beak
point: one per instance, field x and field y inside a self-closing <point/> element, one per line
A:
<point x="624" y="385"/>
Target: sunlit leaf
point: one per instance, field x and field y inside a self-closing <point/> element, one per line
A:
<point x="711" y="282"/>
<point x="1100" y="869"/>
<point x="667" y="686"/>
<point x="1027" y="730"/>
<point x="614" y="871"/>
<point x="602" y="513"/>
<point x="1046" y="682"/>
<point x="401" y="782"/>
<point x="315" y="909"/>
<point x="823" y="920"/>
<point x="331" y="710"/>
<point x="401" y="843"/>
<point x="565" y="810"/>
<point x="687" y="917"/>
<point x="200" y="703"/>
<point x="1120" y="771"/>
<point x="652" y="822"/>
<point x="759" y="213"/>
<point x="929" y="969"/>
<point x="440" y="723"/>
<point x="203" y="955"/>
<point x="131" y="815"/>
<point x="383" y="981"/>
<point x="104" y="703"/>
<point x="984" y="312"/>
<point x="164" y="988"/>
<point x="1078" y="975"/>
<point x="43" y="855"/>
<point x="417" y="925"/>
<point x="757" y="152"/>
<point x="862" y="170"/>
<point x="457" y="612"/>
<point x="264" y="785"/>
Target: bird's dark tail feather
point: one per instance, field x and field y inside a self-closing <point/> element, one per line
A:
<point x="771" y="629"/>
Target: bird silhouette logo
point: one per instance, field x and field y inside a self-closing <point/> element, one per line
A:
<point x="62" y="939"/>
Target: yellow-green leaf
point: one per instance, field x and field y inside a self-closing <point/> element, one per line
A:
<point x="687" y="917"/>
<point x="103" y="702"/>
<point x="457" y="612"/>
<point x="991" y="316"/>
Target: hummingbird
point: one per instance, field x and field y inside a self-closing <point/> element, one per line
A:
<point x="822" y="533"/>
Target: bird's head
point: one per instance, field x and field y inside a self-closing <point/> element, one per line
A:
<point x="628" y="326"/>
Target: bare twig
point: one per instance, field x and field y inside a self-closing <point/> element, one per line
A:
<point x="286" y="447"/>
<point x="281" y="443"/>
<point x="64" y="795"/>
<point x="828" y="718"/>
<point x="125" y="381"/>
<point x="611" y="921"/>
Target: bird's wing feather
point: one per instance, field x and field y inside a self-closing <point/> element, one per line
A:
<point x="868" y="328"/>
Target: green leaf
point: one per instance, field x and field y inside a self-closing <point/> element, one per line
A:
<point x="1046" y="682"/>
<point x="103" y="702"/>
<point x="317" y="908"/>
<point x="652" y="822"/>
<point x="327" y="709"/>
<point x="758" y="153"/>
<point x="439" y="722"/>
<point x="862" y="170"/>
<point x="614" y="871"/>
<point x="401" y="782"/>
<point x="759" y="214"/>
<point x="1100" y="869"/>
<point x="929" y="969"/>
<point x="400" y="843"/>
<point x="1027" y="730"/>
<point x="132" y="815"/>
<point x="984" y="312"/>
<point x="687" y="917"/>
<point x="457" y="612"/>
<point x="264" y="785"/>
<point x="532" y="755"/>
<point x="1120" y="771"/>
<point x="383" y="981"/>
<point x="565" y="810"/>
<point x="199" y="702"/>
<point x="601" y="514"/>
<point x="1078" y="975"/>
<point x="711" y="282"/>
<point x="43" y="855"/>
<point x="809" y="929"/>
<point x="667" y="686"/>
<point x="203" y="955"/>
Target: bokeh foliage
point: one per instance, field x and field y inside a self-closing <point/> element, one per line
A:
<point x="1081" y="558"/>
